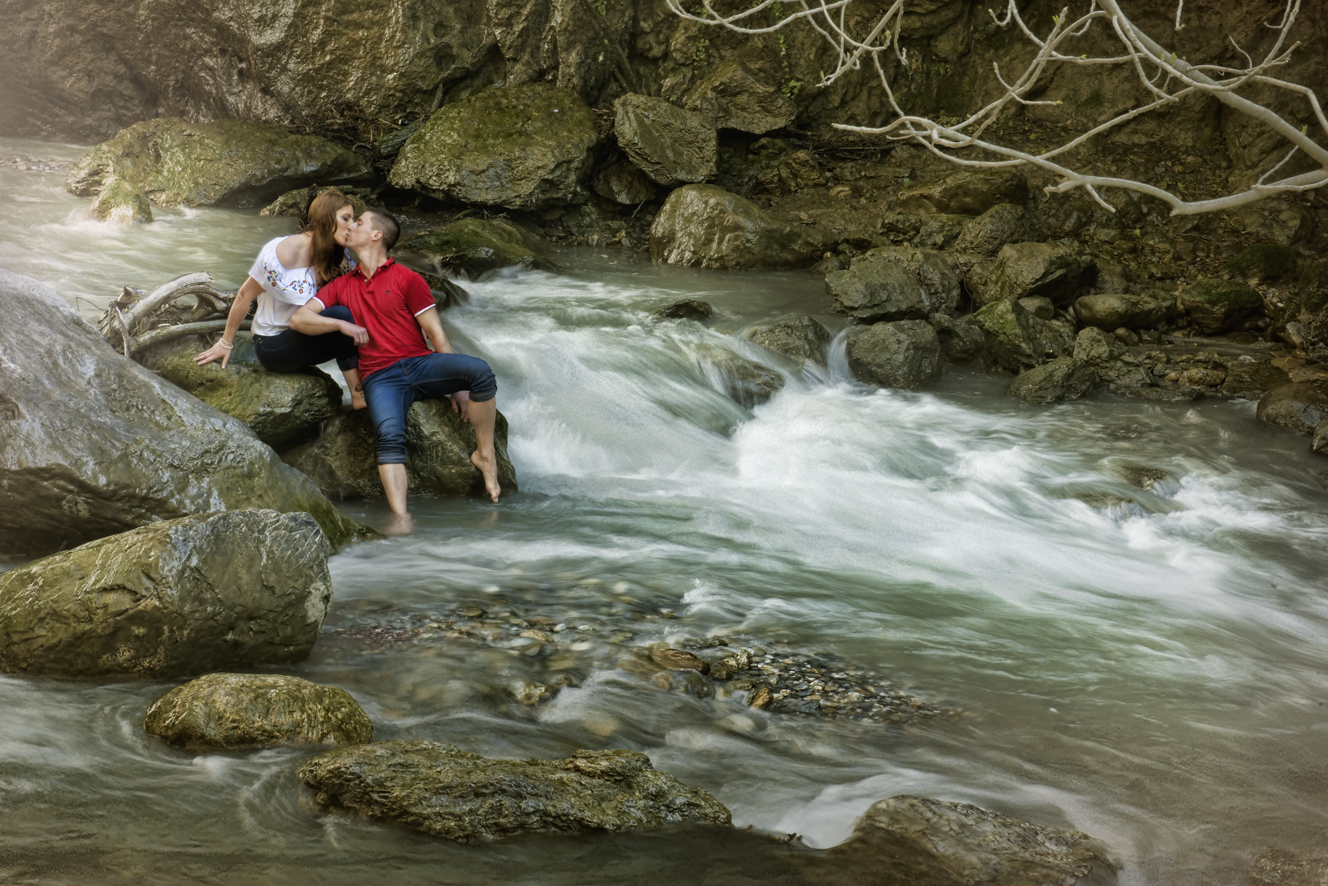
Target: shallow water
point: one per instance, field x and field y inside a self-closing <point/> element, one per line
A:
<point x="1150" y="673"/>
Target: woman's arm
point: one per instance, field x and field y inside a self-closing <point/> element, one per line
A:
<point x="239" y="310"/>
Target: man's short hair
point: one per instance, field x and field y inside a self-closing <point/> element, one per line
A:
<point x="386" y="222"/>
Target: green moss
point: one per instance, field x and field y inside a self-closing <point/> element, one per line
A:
<point x="476" y="245"/>
<point x="1264" y="261"/>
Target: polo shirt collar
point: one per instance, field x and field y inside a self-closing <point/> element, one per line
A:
<point x="384" y="266"/>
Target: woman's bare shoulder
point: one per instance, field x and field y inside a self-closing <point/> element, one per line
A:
<point x="295" y="252"/>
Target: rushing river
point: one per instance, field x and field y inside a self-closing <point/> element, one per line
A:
<point x="1150" y="673"/>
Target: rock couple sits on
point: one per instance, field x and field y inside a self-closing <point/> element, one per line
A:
<point x="396" y="365"/>
<point x="311" y="276"/>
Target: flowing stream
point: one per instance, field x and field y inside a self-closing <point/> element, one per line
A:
<point x="1149" y="672"/>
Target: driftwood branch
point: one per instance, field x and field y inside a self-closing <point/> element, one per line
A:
<point x="1161" y="72"/>
<point x="170" y="333"/>
<point x="137" y="319"/>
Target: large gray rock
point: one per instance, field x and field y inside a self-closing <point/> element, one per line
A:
<point x="1215" y="306"/>
<point x="707" y="226"/>
<point x="446" y="792"/>
<point x="284" y="409"/>
<point x="747" y="383"/>
<point x="476" y="245"/>
<point x="800" y="339"/>
<point x="734" y="98"/>
<point x="895" y="283"/>
<point x="223" y="163"/>
<point x="905" y="354"/>
<point x="520" y="147"/>
<point x="230" y="589"/>
<point x="256" y="711"/>
<point x="1003" y="223"/>
<point x="967" y="193"/>
<point x="1017" y="340"/>
<point x="623" y="183"/>
<point x="1111" y="311"/>
<point x="672" y="146"/>
<point x="343" y="461"/>
<point x="121" y="203"/>
<point x="1299" y="406"/>
<point x="1060" y="273"/>
<point x="1110" y="359"/>
<point x="917" y="840"/>
<point x="1064" y="378"/>
<point x="962" y="340"/>
<point x="1250" y="380"/>
<point x="92" y="444"/>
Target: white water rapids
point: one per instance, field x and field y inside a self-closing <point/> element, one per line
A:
<point x="1152" y="675"/>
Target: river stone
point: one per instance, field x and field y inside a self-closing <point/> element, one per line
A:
<point x="679" y="660"/>
<point x="1110" y="311"/>
<point x="92" y="444"/>
<point x="917" y="840"/>
<point x="1319" y="441"/>
<point x="670" y="145"/>
<point x="706" y="226"/>
<point x="1298" y="406"/>
<point x="520" y="147"/>
<point x="735" y="98"/>
<point x="1217" y="306"/>
<point x="687" y="309"/>
<point x="284" y="409"/>
<point x="872" y="291"/>
<point x="121" y="203"/>
<point x="1064" y="378"/>
<point x="446" y="792"/>
<point x="1110" y="359"/>
<point x="747" y="383"/>
<point x="967" y="193"/>
<point x="1251" y="380"/>
<point x="623" y="183"/>
<point x="962" y="341"/>
<point x="1052" y="271"/>
<point x="228" y="711"/>
<point x="293" y="204"/>
<point x="1003" y="223"/>
<point x="936" y="286"/>
<point x="222" y="163"/>
<point x="799" y="339"/>
<point x="344" y="462"/>
<point x="1017" y="340"/>
<point x="176" y="598"/>
<point x="477" y="245"/>
<point x="904" y="354"/>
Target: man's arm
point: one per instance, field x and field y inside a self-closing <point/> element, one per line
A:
<point x="433" y="330"/>
<point x="309" y="320"/>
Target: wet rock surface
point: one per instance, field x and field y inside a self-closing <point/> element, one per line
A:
<point x="1297" y="407"/>
<point x="1065" y="378"/>
<point x="474" y="246"/>
<point x="230" y="711"/>
<point x="967" y="193"/>
<point x="284" y="409"/>
<point x="687" y="309"/>
<point x="1215" y="306"/>
<point x="1060" y="273"/>
<point x="173" y="162"/>
<point x="800" y="339"/>
<point x="121" y="203"/>
<point x="343" y="461"/>
<point x="670" y="145"/>
<point x="94" y="444"/>
<point x="1282" y="867"/>
<point x="1110" y="311"/>
<point x="446" y="792"/>
<point x="176" y="598"/>
<point x="706" y="226"/>
<point x="1018" y="340"/>
<point x="519" y="147"/>
<point x="736" y="98"/>
<point x="904" y="354"/>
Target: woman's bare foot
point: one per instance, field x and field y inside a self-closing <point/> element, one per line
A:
<point x="489" y="468"/>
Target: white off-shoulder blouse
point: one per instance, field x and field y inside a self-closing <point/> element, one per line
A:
<point x="284" y="289"/>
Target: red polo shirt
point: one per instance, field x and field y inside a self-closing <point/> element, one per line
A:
<point x="386" y="304"/>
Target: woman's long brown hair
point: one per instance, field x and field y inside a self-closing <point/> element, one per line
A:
<point x="322" y="223"/>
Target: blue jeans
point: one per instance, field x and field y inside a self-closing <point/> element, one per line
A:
<point x="391" y="392"/>
<point x="292" y="351"/>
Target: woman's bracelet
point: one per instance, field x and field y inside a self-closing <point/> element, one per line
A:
<point x="222" y="342"/>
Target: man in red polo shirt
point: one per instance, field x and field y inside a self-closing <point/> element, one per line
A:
<point x="397" y="367"/>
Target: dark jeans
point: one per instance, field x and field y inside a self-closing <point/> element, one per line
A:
<point x="292" y="351"/>
<point x="391" y="392"/>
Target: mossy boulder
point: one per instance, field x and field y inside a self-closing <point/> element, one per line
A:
<point x="293" y="204"/>
<point x="1250" y="380"/>
<point x="1002" y="224"/>
<point x="1298" y="406"/>
<point x="1017" y="340"/>
<point x="343" y="461"/>
<point x="734" y="98"/>
<point x="519" y="147"/>
<point x="799" y="339"/>
<point x="904" y="354"/>
<point x="623" y="183"/>
<point x="176" y="598"/>
<point x="707" y="226"/>
<point x="230" y="711"/>
<point x="1110" y="311"/>
<point x="919" y="840"/>
<point x="1215" y="306"/>
<point x="1110" y="359"/>
<point x="1060" y="273"/>
<point x="1264" y="261"/>
<point x="121" y="203"/>
<point x="936" y="286"/>
<point x="1064" y="378"/>
<point x="223" y="163"/>
<point x="670" y="145"/>
<point x="873" y="291"/>
<point x="92" y="444"/>
<point x="477" y="245"/>
<point x="284" y="409"/>
<point x="446" y="792"/>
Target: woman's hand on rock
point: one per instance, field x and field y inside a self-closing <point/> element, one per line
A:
<point x="216" y="352"/>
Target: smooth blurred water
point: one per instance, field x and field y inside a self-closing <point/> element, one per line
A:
<point x="1151" y="674"/>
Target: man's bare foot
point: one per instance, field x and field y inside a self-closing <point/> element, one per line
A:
<point x="357" y="401"/>
<point x="399" y="524"/>
<point x="489" y="468"/>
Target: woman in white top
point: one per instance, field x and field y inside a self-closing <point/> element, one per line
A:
<point x="286" y="274"/>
